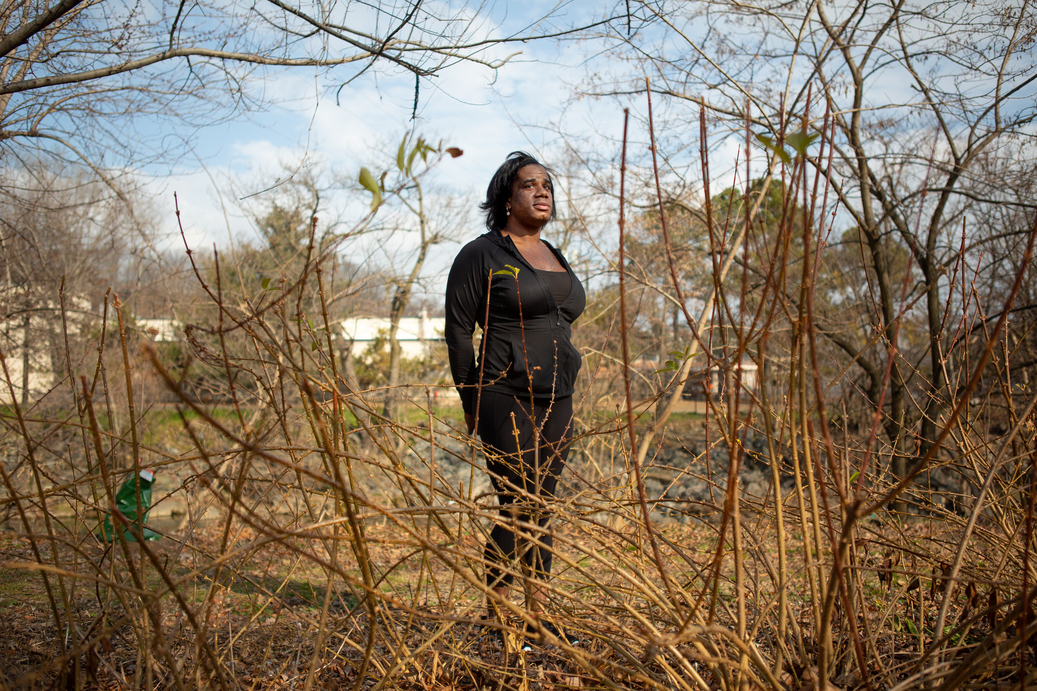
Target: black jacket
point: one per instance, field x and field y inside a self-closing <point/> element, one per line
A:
<point x="547" y="354"/>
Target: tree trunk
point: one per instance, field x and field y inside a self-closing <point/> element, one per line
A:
<point x="392" y="396"/>
<point x="26" y="360"/>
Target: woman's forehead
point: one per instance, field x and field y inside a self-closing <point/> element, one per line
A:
<point x="531" y="171"/>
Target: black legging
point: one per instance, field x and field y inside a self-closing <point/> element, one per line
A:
<point x="525" y="484"/>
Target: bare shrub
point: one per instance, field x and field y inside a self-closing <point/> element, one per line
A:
<point x="327" y="545"/>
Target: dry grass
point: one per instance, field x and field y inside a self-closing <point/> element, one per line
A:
<point x="325" y="546"/>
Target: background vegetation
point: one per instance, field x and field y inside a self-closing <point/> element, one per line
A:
<point x="806" y="439"/>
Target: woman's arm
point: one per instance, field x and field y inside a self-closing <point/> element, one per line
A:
<point x="465" y="295"/>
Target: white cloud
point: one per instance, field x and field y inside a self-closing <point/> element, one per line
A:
<point x="487" y="114"/>
<point x="207" y="215"/>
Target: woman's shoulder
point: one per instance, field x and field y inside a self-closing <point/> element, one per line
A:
<point x="484" y="246"/>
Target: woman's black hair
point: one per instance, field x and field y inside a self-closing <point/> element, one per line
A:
<point x="498" y="193"/>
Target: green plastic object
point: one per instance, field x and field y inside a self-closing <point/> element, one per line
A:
<point x="126" y="504"/>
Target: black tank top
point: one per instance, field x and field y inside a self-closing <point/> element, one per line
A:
<point x="559" y="283"/>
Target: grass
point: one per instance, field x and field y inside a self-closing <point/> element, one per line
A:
<point x="274" y="569"/>
<point x="19" y="586"/>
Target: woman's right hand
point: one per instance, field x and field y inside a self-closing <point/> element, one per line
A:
<point x="469" y="420"/>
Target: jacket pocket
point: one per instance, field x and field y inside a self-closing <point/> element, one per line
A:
<point x="547" y="362"/>
<point x="518" y="359"/>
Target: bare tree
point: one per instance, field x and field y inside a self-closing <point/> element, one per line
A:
<point x="64" y="240"/>
<point x="433" y="219"/>
<point x="77" y="76"/>
<point x="929" y="105"/>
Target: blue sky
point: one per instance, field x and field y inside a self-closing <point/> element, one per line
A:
<point x="487" y="114"/>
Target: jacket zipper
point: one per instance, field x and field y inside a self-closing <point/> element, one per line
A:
<point x="543" y="284"/>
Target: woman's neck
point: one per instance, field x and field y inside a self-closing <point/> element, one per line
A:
<point x="522" y="235"/>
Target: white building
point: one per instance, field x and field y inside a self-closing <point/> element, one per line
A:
<point x="161" y="330"/>
<point x="416" y="334"/>
<point x="31" y="337"/>
<point x="746" y="372"/>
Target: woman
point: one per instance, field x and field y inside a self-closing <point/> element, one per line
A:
<point x="518" y="393"/>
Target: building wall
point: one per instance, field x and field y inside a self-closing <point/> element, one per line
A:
<point x="41" y="378"/>
<point x="416" y="334"/>
<point x="42" y="317"/>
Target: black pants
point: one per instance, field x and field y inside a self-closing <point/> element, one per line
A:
<point x="524" y="476"/>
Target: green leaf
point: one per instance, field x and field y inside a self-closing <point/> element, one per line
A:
<point x="313" y="345"/>
<point x="410" y="159"/>
<point x="508" y="270"/>
<point x="800" y="141"/>
<point x="371" y="185"/>
<point x="910" y="625"/>
<point x="855" y="476"/>
<point x="401" y="155"/>
<point x="265" y="283"/>
<point x="368" y="181"/>
<point x="773" y="146"/>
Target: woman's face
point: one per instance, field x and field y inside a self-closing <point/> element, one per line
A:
<point x="532" y="199"/>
